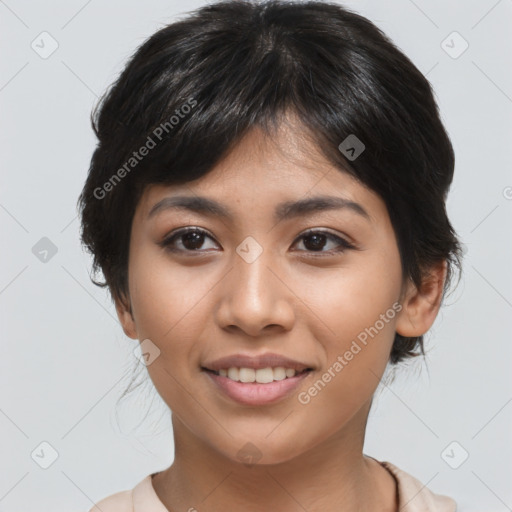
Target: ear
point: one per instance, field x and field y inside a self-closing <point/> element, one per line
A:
<point x="124" y="312"/>
<point x="420" y="306"/>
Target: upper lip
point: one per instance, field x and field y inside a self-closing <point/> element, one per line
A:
<point x="266" y="360"/>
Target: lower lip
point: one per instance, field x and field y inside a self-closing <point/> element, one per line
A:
<point x="254" y="393"/>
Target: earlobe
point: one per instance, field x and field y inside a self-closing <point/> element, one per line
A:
<point x="125" y="316"/>
<point x="420" y="306"/>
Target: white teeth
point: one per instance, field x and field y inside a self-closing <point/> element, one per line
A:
<point x="261" y="375"/>
<point x="247" y="375"/>
<point x="264" y="375"/>
<point x="279" y="373"/>
<point x="233" y="373"/>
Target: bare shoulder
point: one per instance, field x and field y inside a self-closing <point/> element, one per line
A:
<point x="118" y="502"/>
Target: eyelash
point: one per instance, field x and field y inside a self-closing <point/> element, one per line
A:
<point x="169" y="240"/>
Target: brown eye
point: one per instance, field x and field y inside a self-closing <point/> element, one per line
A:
<point x="186" y="240"/>
<point x="316" y="241"/>
<point x="193" y="240"/>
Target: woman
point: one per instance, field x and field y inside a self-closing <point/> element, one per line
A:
<point x="267" y="205"/>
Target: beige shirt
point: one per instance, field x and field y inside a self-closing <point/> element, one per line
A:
<point x="413" y="496"/>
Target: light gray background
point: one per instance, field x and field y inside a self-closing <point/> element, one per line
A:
<point x="65" y="360"/>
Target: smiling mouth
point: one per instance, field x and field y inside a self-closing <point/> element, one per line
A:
<point x="257" y="387"/>
<point x="257" y="376"/>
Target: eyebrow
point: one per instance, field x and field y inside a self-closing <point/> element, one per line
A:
<point x="283" y="211"/>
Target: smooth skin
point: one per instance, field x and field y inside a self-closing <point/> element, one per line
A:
<point x="300" y="298"/>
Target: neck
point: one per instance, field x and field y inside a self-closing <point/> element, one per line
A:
<point x="334" y="476"/>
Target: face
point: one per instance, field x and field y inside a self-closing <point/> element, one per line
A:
<point x="317" y="286"/>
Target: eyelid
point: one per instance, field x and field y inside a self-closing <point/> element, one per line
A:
<point x="345" y="242"/>
<point x="176" y="233"/>
<point x="327" y="231"/>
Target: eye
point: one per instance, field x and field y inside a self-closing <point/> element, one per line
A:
<point x="192" y="239"/>
<point x="317" y="241"/>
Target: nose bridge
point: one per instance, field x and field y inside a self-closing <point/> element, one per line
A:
<point x="253" y="296"/>
<point x="253" y="276"/>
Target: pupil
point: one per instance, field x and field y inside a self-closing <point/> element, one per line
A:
<point x="193" y="240"/>
<point x="317" y="244"/>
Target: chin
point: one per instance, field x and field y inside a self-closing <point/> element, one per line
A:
<point x="261" y="450"/>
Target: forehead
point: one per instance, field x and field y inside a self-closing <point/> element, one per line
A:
<point x="262" y="171"/>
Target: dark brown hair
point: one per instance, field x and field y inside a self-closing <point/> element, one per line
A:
<point x="196" y="86"/>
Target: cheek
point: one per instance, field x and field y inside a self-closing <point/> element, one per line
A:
<point x="356" y="356"/>
<point x="347" y="300"/>
<point x="166" y="303"/>
<point x="166" y="296"/>
<point x="355" y="309"/>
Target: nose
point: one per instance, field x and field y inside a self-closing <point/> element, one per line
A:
<point x="255" y="298"/>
